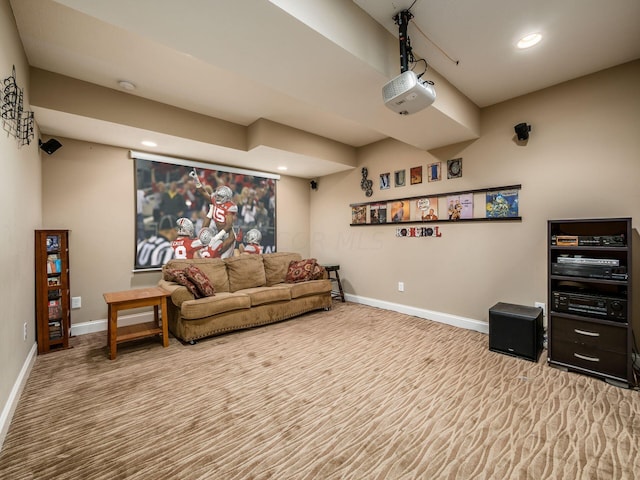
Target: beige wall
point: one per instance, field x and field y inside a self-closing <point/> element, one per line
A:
<point x="65" y="94"/>
<point x="581" y="161"/>
<point x="89" y="190"/>
<point x="21" y="215"/>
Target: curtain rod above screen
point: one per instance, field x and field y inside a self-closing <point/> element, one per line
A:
<point x="190" y="163"/>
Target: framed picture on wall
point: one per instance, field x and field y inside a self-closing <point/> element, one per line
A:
<point x="460" y="206"/>
<point x="400" y="178"/>
<point x="234" y="200"/>
<point x="378" y="212"/>
<point x="416" y="175"/>
<point x="502" y="204"/>
<point x="400" y="211"/>
<point x="385" y="180"/>
<point x="433" y="172"/>
<point x="454" y="168"/>
<point x="359" y="214"/>
<point x="424" y="209"/>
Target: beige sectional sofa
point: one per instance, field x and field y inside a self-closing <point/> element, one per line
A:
<point x="250" y="290"/>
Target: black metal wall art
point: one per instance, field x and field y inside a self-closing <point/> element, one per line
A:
<point x="16" y="121"/>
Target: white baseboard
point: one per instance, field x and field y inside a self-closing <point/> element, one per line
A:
<point x="454" y="320"/>
<point x="14" y="396"/>
<point x="101" y="324"/>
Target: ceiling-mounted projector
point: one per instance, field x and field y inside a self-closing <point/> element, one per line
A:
<point x="407" y="94"/>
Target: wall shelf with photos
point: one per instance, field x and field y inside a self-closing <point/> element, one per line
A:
<point x="497" y="203"/>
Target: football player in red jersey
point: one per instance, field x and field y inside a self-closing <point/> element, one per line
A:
<point x="212" y="248"/>
<point x="252" y="242"/>
<point x="223" y="212"/>
<point x="185" y="245"/>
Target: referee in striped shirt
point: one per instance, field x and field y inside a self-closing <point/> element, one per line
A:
<point x="156" y="250"/>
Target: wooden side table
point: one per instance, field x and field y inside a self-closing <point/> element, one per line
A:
<point x="335" y="278"/>
<point x="155" y="297"/>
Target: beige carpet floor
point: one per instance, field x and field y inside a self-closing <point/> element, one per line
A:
<point x="353" y="393"/>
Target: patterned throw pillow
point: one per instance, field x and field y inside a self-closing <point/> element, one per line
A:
<point x="318" y="272"/>
<point x="180" y="277"/>
<point x="301" y="271"/>
<point x="200" y="280"/>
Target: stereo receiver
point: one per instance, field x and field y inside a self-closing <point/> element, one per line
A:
<point x="611" y="308"/>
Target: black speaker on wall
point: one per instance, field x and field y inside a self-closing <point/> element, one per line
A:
<point x="50" y="145"/>
<point x="516" y="330"/>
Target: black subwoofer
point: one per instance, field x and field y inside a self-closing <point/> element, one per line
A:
<point x="516" y="330"/>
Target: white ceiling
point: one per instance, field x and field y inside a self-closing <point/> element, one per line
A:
<point x="317" y="65"/>
<point x="579" y="37"/>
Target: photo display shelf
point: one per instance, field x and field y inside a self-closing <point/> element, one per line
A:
<point x="483" y="204"/>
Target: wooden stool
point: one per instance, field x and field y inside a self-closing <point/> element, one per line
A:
<point x="335" y="278"/>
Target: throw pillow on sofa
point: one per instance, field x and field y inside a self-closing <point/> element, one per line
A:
<point x="303" y="270"/>
<point x="180" y="277"/>
<point x="200" y="280"/>
<point x="318" y="272"/>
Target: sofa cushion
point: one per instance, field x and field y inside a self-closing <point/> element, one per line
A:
<point x="262" y="295"/>
<point x="200" y="280"/>
<point x="180" y="277"/>
<point x="276" y="266"/>
<point x="311" y="287"/>
<point x="214" y="268"/>
<point x="245" y="271"/>
<point x="209" y="306"/>
<point x="302" y="270"/>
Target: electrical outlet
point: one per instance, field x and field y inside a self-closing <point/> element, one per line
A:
<point x="24" y="331"/>
<point x="76" y="302"/>
<point x="542" y="306"/>
<point x="401" y="286"/>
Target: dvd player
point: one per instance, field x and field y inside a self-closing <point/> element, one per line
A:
<point x="589" y="271"/>
<point x="588" y="261"/>
<point x="588" y="240"/>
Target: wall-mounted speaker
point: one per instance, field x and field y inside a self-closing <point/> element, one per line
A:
<point x="50" y="145"/>
<point x="516" y="330"/>
<point x="522" y="131"/>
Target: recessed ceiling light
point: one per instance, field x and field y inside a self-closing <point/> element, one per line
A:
<point x="529" y="40"/>
<point x="149" y="143"/>
<point x="282" y="168"/>
<point x="126" y="85"/>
